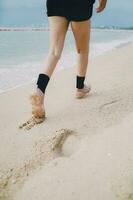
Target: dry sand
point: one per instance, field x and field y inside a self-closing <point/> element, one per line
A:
<point x="84" y="148"/>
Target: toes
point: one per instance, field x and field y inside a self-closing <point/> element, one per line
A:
<point x="25" y="123"/>
<point x="34" y="122"/>
<point x="21" y="126"/>
<point x="31" y="123"/>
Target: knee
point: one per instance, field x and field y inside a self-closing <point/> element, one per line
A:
<point x="56" y="53"/>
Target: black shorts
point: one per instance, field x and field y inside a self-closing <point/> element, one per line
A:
<point x="73" y="10"/>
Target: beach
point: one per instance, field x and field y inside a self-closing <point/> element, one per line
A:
<point x="83" y="150"/>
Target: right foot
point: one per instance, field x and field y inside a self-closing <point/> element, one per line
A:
<point x="81" y="93"/>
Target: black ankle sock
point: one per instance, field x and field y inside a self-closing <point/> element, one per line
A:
<point x="80" y="82"/>
<point x="42" y="82"/>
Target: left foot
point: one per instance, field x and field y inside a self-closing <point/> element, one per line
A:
<point x="38" y="110"/>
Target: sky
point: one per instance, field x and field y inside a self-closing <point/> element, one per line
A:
<point x="18" y="3"/>
<point x="117" y="13"/>
<point x="33" y="12"/>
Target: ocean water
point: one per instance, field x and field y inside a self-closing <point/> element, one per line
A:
<point x="23" y="53"/>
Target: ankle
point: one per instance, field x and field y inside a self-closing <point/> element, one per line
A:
<point x="39" y="95"/>
<point x="39" y="92"/>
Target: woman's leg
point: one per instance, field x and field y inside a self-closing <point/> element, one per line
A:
<point x="58" y="29"/>
<point x="81" y="32"/>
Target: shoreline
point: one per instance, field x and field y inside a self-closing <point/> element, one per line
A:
<point x="32" y="81"/>
<point x="8" y="29"/>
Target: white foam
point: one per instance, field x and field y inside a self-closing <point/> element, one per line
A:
<point x="101" y="48"/>
<point x="18" y="75"/>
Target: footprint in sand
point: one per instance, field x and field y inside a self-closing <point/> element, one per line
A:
<point x="64" y="142"/>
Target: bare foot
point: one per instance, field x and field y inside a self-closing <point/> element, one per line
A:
<point x="81" y="93"/>
<point x="30" y="123"/>
<point x="38" y="110"/>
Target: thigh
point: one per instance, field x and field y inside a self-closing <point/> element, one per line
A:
<point x="58" y="28"/>
<point x="81" y="32"/>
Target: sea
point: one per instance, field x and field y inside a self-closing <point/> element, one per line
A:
<point x="23" y="53"/>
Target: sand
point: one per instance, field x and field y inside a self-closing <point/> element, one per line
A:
<point x="83" y="150"/>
